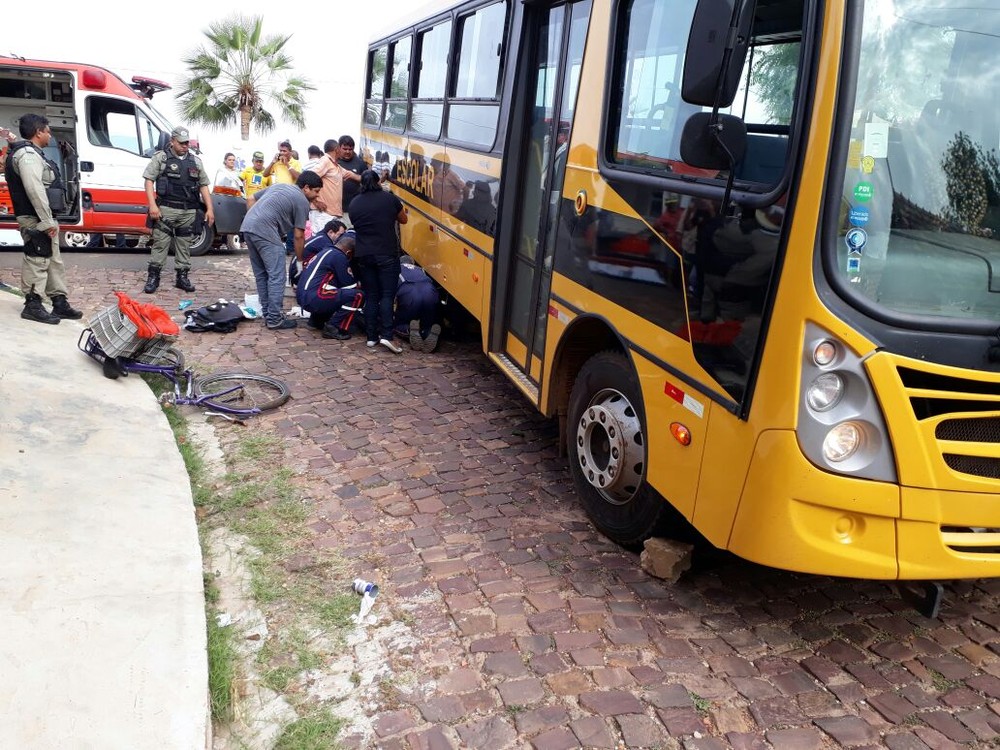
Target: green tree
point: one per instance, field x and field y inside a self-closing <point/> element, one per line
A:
<point x="236" y="73"/>
<point x="772" y="80"/>
<point x="973" y="181"/>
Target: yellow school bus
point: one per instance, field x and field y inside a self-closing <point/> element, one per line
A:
<point x="743" y="251"/>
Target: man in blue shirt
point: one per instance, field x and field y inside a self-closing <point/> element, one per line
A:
<point x="417" y="303"/>
<point x="328" y="290"/>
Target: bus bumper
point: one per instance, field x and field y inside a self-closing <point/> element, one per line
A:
<point x="794" y="516"/>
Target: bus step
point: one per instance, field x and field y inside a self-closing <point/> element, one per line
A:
<point x="515" y="373"/>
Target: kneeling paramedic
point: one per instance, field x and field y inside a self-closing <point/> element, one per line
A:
<point x="181" y="189"/>
<point x="37" y="192"/>
<point x="329" y="291"/>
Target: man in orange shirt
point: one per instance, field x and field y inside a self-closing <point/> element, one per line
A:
<point x="330" y="204"/>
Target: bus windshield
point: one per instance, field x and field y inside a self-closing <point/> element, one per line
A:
<point x="919" y="223"/>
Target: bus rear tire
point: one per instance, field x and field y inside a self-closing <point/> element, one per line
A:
<point x="606" y="445"/>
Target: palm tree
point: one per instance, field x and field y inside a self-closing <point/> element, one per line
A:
<point x="239" y="70"/>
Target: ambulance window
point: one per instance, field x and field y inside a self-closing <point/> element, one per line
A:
<point x="149" y="135"/>
<point x="113" y="123"/>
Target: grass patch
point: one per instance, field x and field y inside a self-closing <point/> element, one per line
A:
<point x="259" y="447"/>
<point x="222" y="669"/>
<point x="701" y="705"/>
<point x="262" y="500"/>
<point x="335" y="611"/>
<point x="285" y="658"/>
<point x="317" y="731"/>
<point x="942" y="683"/>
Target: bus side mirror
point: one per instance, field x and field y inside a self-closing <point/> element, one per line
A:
<point x="710" y="74"/>
<point x="713" y="141"/>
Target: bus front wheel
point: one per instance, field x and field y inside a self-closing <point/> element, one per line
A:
<point x="606" y="441"/>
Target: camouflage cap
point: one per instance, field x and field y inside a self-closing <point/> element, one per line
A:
<point x="180" y="134"/>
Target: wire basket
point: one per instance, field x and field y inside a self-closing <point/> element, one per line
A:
<point x="116" y="333"/>
<point x="158" y="351"/>
<point x="118" y="337"/>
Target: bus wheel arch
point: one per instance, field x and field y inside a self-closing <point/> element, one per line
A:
<point x="586" y="336"/>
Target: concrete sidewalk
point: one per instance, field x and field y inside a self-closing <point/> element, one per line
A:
<point x="102" y="625"/>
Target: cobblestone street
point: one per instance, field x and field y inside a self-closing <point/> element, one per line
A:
<point x="531" y="630"/>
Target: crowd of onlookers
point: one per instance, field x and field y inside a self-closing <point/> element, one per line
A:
<point x="351" y="263"/>
<point x="340" y="224"/>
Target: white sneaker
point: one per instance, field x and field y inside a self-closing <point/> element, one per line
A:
<point x="371" y="344"/>
<point x="389" y="345"/>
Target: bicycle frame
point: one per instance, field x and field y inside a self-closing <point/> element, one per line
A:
<point x="183" y="381"/>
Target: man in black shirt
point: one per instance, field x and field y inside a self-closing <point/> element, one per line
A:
<point x="349" y="160"/>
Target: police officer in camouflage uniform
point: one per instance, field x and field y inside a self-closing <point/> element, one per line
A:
<point x="37" y="193"/>
<point x="181" y="186"/>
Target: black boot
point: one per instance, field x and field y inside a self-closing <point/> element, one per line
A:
<point x="35" y="310"/>
<point x="61" y="308"/>
<point x="152" y="279"/>
<point x="183" y="282"/>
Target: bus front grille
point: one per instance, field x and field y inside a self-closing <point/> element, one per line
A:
<point x="970" y="430"/>
<point x="971" y="540"/>
<point x="978" y="466"/>
<point x="966" y="434"/>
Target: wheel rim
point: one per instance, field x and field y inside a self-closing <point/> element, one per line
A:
<point x="610" y="448"/>
<point x="76" y="239"/>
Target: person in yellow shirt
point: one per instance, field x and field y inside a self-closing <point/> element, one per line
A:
<point x="253" y="176"/>
<point x="284" y="168"/>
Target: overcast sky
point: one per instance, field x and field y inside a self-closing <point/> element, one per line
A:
<point x="151" y="39"/>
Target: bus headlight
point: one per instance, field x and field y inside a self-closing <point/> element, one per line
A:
<point x="825" y="353"/>
<point x="842" y="442"/>
<point x="839" y="422"/>
<point x="825" y="391"/>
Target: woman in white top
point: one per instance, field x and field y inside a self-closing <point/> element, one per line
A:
<point x="228" y="176"/>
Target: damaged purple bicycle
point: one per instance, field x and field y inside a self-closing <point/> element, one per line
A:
<point x="113" y="339"/>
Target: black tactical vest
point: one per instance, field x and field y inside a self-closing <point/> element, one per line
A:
<point x="177" y="186"/>
<point x="19" y="196"/>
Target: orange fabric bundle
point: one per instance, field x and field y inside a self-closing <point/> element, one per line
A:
<point x="150" y="320"/>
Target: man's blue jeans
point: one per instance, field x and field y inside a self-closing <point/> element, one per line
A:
<point x="379" y="277"/>
<point x="267" y="259"/>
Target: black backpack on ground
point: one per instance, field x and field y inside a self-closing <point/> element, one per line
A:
<point x="221" y="317"/>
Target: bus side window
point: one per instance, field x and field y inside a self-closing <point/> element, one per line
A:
<point x="474" y="98"/>
<point x="375" y="95"/>
<point x="399" y="84"/>
<point x="765" y="100"/>
<point x="427" y="108"/>
<point x="650" y="114"/>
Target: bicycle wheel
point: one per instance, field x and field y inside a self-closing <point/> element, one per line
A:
<point x="169" y="357"/>
<point x="241" y="392"/>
